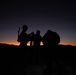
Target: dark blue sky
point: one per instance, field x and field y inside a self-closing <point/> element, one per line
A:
<point x="59" y="16"/>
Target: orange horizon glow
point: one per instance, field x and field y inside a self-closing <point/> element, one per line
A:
<point x="67" y="43"/>
<point x="28" y="44"/>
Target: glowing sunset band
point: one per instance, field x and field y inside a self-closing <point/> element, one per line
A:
<point x="17" y="43"/>
<point x="67" y="43"/>
<point x="28" y="44"/>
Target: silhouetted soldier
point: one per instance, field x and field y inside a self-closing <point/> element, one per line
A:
<point x="50" y="40"/>
<point x="23" y="37"/>
<point x="31" y="39"/>
<point x="37" y="38"/>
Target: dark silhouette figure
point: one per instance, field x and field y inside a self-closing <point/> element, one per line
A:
<point x="37" y="38"/>
<point x="31" y="39"/>
<point x="50" y="40"/>
<point x="23" y="37"/>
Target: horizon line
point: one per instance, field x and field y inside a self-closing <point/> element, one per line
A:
<point x="29" y="44"/>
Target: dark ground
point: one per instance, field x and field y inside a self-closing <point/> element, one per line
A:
<point x="32" y="60"/>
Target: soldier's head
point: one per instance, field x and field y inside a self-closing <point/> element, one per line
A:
<point x="38" y="32"/>
<point x="48" y="31"/>
<point x="25" y="27"/>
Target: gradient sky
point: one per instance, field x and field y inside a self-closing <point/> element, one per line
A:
<point x="59" y="16"/>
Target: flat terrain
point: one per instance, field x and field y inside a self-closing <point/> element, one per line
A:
<point x="33" y="60"/>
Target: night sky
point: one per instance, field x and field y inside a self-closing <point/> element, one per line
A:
<point x="59" y="16"/>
